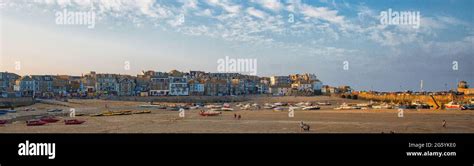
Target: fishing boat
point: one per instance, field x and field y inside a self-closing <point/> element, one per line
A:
<point x="142" y="112"/>
<point x="312" y="108"/>
<point x="278" y="109"/>
<point x="73" y="121"/>
<point x="209" y="113"/>
<point x="35" y="123"/>
<point x="280" y="104"/>
<point x="108" y="113"/>
<point x="382" y="106"/>
<point x="345" y="106"/>
<point x="49" y="119"/>
<point x="324" y="103"/>
<point x="226" y="109"/>
<point x="96" y="114"/>
<point x="7" y="111"/>
<point x="226" y="105"/>
<point x="467" y="107"/>
<point x="55" y="110"/>
<point x="122" y="113"/>
<point x="452" y="105"/>
<point x="29" y="109"/>
<point x="153" y="106"/>
<point x="213" y="106"/>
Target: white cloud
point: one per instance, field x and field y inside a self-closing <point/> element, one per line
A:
<point x="256" y="13"/>
<point x="322" y="13"/>
<point x="274" y="5"/>
<point x="224" y="4"/>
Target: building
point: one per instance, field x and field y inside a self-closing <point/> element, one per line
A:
<point x="7" y="83"/>
<point x="106" y="84"/>
<point x="159" y="86"/>
<point x="45" y="86"/>
<point x="27" y="86"/>
<point x="281" y="90"/>
<point x="463" y="87"/>
<point x="280" y="81"/>
<point x="178" y="86"/>
<point x="60" y="85"/>
<point x="126" y="86"/>
<point x="196" y="88"/>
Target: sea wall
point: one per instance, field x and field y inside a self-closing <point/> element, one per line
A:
<point x="16" y="102"/>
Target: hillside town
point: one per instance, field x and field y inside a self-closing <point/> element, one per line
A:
<point x="154" y="83"/>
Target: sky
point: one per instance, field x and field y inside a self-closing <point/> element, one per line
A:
<point x="343" y="42"/>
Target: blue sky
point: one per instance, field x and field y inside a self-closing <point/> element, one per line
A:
<point x="324" y="33"/>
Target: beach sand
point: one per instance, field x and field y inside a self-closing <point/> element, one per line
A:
<point x="326" y="120"/>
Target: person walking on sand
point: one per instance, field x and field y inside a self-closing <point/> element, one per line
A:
<point x="239" y="117"/>
<point x="235" y="116"/>
<point x="444" y="123"/>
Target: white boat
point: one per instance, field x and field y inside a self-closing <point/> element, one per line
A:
<point x="311" y="108"/>
<point x="213" y="106"/>
<point x="345" y="106"/>
<point x="226" y="109"/>
<point x="278" y="109"/>
<point x="324" y="103"/>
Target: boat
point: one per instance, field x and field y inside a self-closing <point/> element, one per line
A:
<point x="213" y="106"/>
<point x="226" y="105"/>
<point x="153" y="106"/>
<point x="96" y="114"/>
<point x="280" y="104"/>
<point x="324" y="103"/>
<point x="142" y="112"/>
<point x="471" y="100"/>
<point x="226" y="109"/>
<point x="3" y="122"/>
<point x="7" y="111"/>
<point x="468" y="107"/>
<point x="382" y="106"/>
<point x="49" y="119"/>
<point x="452" y="105"/>
<point x="108" y="113"/>
<point x="55" y="110"/>
<point x="312" y="108"/>
<point x="345" y="106"/>
<point x="122" y="113"/>
<point x="278" y="109"/>
<point x="73" y="122"/>
<point x="29" y="109"/>
<point x="35" y="123"/>
<point x="209" y="113"/>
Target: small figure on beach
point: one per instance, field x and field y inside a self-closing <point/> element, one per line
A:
<point x="235" y="116"/>
<point x="304" y="127"/>
<point x="238" y="117"/>
<point x="444" y="123"/>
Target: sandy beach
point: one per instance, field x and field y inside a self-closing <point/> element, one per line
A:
<point x="326" y="120"/>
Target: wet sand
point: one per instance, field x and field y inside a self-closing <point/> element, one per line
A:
<point x="326" y="120"/>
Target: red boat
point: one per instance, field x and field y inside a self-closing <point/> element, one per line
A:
<point x="3" y="122"/>
<point x="35" y="123"/>
<point x="49" y="119"/>
<point x="73" y="122"/>
<point x="452" y="105"/>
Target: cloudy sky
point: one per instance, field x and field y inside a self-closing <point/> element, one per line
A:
<point x="286" y="36"/>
